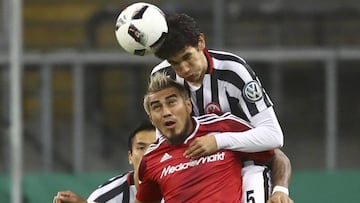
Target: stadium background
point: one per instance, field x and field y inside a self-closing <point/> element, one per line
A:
<point x="82" y="93"/>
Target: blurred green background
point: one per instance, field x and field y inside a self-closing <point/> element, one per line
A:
<point x="306" y="186"/>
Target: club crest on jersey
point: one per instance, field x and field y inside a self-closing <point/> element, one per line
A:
<point x="252" y="91"/>
<point x="213" y="107"/>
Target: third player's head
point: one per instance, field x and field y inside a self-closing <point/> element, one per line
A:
<point x="138" y="142"/>
<point x="169" y="108"/>
<point x="183" y="48"/>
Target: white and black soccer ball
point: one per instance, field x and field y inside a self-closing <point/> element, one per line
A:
<point x="141" y="28"/>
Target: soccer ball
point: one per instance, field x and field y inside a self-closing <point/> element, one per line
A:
<point x="141" y="28"/>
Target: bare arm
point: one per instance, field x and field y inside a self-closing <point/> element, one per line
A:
<point x="68" y="197"/>
<point x="281" y="175"/>
<point x="281" y="169"/>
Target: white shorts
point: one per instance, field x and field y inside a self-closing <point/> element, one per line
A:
<point x="256" y="183"/>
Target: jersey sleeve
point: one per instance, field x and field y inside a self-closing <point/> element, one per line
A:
<point x="260" y="157"/>
<point x="266" y="134"/>
<point x="101" y="194"/>
<point x="148" y="189"/>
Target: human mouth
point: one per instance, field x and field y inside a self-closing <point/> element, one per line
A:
<point x="170" y="124"/>
<point x="190" y="77"/>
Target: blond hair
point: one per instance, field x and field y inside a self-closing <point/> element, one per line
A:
<point x="160" y="81"/>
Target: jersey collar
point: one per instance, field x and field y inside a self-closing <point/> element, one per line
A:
<point x="196" y="128"/>
<point x="209" y="61"/>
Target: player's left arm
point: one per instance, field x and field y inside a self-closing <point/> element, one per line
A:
<point x="68" y="197"/>
<point x="266" y="135"/>
<point x="281" y="174"/>
<point x="281" y="169"/>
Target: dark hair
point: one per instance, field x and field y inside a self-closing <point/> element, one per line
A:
<point x="145" y="125"/>
<point x="183" y="31"/>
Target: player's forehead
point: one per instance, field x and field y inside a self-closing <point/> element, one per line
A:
<point x="180" y="55"/>
<point x="163" y="95"/>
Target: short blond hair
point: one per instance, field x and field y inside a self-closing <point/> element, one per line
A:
<point x="160" y="81"/>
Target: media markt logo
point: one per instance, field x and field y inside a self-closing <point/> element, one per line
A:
<point x="183" y="166"/>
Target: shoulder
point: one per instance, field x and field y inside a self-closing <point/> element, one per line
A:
<point x="231" y="67"/>
<point x="121" y="182"/>
<point x="163" y="66"/>
<point x="223" y="56"/>
<point x="214" y="118"/>
<point x="155" y="146"/>
<point x="118" y="179"/>
<point x="153" y="155"/>
<point x="224" y="122"/>
<point x="166" y="68"/>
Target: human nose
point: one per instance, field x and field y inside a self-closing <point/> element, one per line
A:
<point x="166" y="111"/>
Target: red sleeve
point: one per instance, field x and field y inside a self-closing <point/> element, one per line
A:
<point x="148" y="189"/>
<point x="260" y="157"/>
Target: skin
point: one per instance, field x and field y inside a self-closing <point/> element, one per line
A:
<point x="281" y="176"/>
<point x="140" y="143"/>
<point x="171" y="114"/>
<point x="191" y="64"/>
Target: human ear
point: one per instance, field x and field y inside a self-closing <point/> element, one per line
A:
<point x="130" y="158"/>
<point x="201" y="41"/>
<point x="188" y="105"/>
<point x="149" y="116"/>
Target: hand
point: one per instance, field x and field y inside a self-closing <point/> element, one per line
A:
<point x="56" y="200"/>
<point x="201" y="146"/>
<point x="280" y="197"/>
<point x="68" y="197"/>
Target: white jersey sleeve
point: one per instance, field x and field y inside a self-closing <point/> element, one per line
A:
<point x="265" y="135"/>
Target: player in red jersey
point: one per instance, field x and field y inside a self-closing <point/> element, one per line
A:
<point x="164" y="170"/>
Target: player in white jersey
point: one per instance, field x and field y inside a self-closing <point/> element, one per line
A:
<point x="122" y="188"/>
<point x="223" y="82"/>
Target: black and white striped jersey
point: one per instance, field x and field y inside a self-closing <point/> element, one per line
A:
<point x="119" y="189"/>
<point x="230" y="85"/>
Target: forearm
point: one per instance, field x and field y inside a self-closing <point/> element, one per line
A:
<point x="255" y="140"/>
<point x="281" y="169"/>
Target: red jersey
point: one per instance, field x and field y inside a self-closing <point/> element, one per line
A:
<point x="165" y="172"/>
